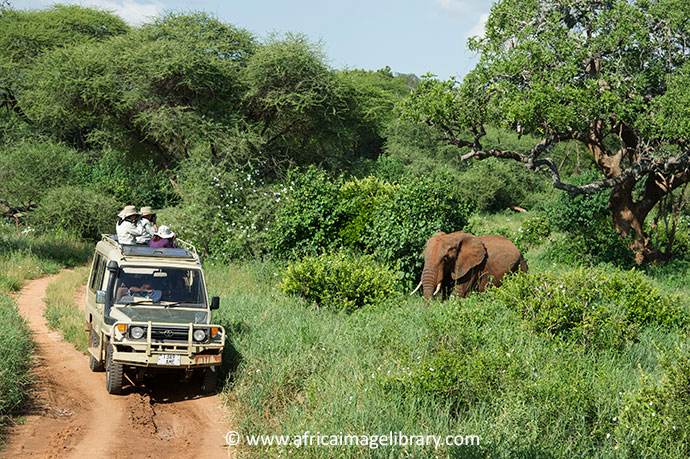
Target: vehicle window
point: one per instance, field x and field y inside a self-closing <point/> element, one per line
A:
<point x="159" y="286"/>
<point x="93" y="283"/>
<point x="101" y="273"/>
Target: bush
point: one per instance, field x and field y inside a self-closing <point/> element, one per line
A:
<point x="358" y="200"/>
<point x="340" y="281"/>
<point x="493" y="184"/>
<point x="76" y="210"/>
<point x="590" y="306"/>
<point x="591" y="237"/>
<point x="421" y="207"/>
<point x="532" y="232"/>
<point x="312" y="218"/>
<point x="227" y="211"/>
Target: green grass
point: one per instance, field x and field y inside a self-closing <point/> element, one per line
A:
<point x="61" y="310"/>
<point x="299" y="368"/>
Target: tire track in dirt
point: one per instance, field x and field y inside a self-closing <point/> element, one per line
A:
<point x="71" y="415"/>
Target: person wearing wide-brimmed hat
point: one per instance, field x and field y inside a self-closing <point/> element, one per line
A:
<point x="127" y="227"/>
<point x="164" y="238"/>
<point x="147" y="222"/>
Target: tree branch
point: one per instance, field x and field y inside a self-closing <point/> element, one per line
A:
<point x="675" y="170"/>
<point x="10" y="101"/>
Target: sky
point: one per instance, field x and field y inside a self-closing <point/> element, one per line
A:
<point x="409" y="36"/>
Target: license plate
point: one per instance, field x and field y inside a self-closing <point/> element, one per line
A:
<point x="169" y="359"/>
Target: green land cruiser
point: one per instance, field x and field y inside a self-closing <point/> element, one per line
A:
<point x="146" y="310"/>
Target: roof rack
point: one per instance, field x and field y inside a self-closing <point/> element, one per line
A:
<point x="184" y="250"/>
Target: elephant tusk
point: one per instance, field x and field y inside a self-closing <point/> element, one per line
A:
<point x="415" y="290"/>
<point x="438" y="287"/>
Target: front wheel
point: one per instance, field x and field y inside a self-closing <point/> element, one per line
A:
<point x="209" y="381"/>
<point x="94" y="341"/>
<point x="114" y="374"/>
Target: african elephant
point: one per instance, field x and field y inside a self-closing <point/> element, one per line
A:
<point x="467" y="262"/>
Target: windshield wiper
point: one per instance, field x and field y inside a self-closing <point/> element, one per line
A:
<point x="177" y="303"/>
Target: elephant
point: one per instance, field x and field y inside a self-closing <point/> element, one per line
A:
<point x="465" y="263"/>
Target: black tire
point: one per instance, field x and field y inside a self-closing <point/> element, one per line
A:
<point x="209" y="381"/>
<point x="114" y="374"/>
<point x="94" y="365"/>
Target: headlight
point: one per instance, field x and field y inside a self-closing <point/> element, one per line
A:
<point x="136" y="332"/>
<point x="199" y="335"/>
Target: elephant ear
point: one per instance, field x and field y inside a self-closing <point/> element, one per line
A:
<point x="472" y="253"/>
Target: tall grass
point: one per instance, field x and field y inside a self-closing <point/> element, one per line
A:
<point x="15" y="363"/>
<point x="470" y="367"/>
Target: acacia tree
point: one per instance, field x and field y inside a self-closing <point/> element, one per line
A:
<point x="26" y="35"/>
<point x="611" y="75"/>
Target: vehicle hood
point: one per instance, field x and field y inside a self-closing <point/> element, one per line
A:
<point x="172" y="315"/>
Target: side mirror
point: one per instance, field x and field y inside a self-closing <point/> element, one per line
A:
<point x="215" y="303"/>
<point x="100" y="297"/>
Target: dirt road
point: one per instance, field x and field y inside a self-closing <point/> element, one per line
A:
<point x="72" y="416"/>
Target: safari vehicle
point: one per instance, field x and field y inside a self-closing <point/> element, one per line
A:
<point x="147" y="310"/>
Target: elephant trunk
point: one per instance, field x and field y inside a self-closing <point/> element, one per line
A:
<point x="430" y="282"/>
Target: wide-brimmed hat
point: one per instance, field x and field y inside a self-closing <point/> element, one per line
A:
<point x="146" y="211"/>
<point x="127" y="211"/>
<point x="164" y="232"/>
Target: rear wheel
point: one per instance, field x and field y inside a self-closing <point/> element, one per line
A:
<point x="209" y="381"/>
<point x="114" y="375"/>
<point x="94" y="341"/>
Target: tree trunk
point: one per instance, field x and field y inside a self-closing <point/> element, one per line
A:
<point x="629" y="216"/>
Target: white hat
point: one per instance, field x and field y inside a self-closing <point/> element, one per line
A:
<point x="164" y="232"/>
<point x="127" y="211"/>
<point x="146" y="211"/>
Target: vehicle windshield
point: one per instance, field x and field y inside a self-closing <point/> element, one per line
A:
<point x="165" y="286"/>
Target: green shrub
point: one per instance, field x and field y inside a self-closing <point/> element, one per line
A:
<point x="340" y="281"/>
<point x="532" y="232"/>
<point x="590" y="306"/>
<point x="494" y="184"/>
<point x="421" y="207"/>
<point x="76" y="210"/>
<point x="128" y="179"/>
<point x="226" y="211"/>
<point x="359" y="200"/>
<point x="311" y="219"/>
<point x="586" y="219"/>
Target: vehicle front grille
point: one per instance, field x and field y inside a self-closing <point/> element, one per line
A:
<point x="170" y="333"/>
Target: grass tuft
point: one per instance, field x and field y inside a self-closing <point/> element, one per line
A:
<point x="62" y="312"/>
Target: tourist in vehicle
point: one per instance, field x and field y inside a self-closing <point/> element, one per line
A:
<point x="124" y="290"/>
<point x="163" y="238"/>
<point x="148" y="225"/>
<point x="128" y="229"/>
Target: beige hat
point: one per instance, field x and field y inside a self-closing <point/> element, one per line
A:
<point x="127" y="211"/>
<point x="146" y="211"/>
<point x="164" y="232"/>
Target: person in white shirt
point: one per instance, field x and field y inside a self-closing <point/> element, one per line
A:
<point x="128" y="229"/>
<point x="147" y="224"/>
